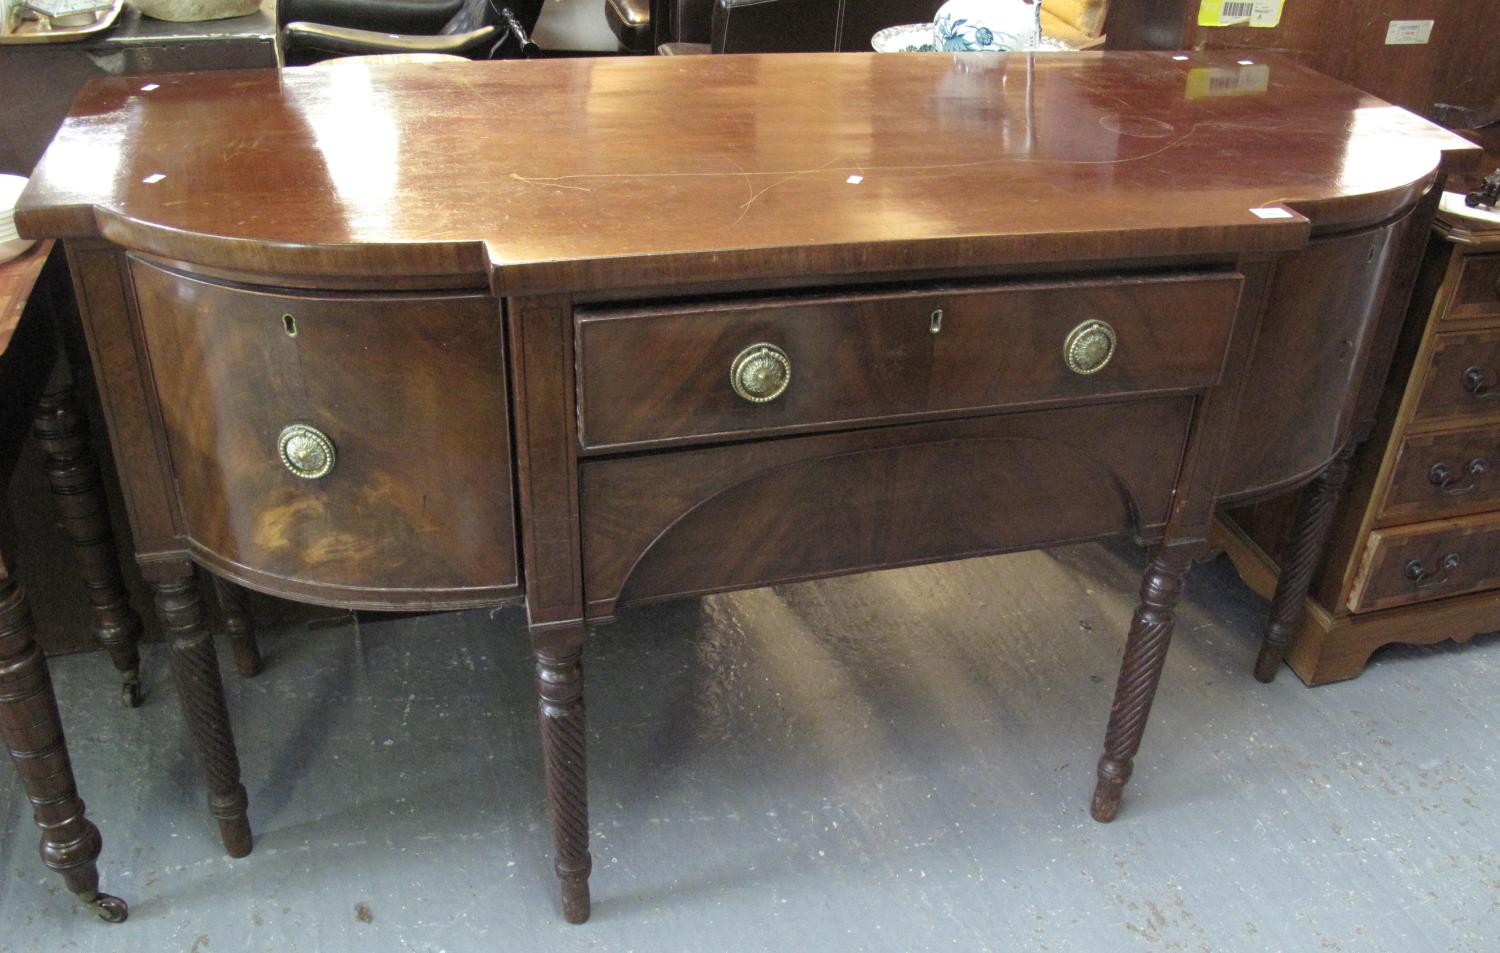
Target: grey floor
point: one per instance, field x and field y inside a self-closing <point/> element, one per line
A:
<point x="895" y="762"/>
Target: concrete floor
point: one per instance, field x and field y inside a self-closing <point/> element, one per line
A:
<point x="893" y="762"/>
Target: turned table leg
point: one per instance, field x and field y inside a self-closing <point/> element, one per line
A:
<point x="32" y="730"/>
<point x="1315" y="511"/>
<point x="195" y="668"/>
<point x="1140" y="671"/>
<point x="559" y="680"/>
<point x="239" y="623"/>
<point x="73" y="473"/>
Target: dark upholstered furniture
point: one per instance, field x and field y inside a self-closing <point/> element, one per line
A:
<point x="313" y="30"/>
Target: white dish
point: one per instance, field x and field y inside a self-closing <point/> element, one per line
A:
<point x="11" y="244"/>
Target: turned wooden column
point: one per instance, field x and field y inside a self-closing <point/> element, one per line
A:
<point x="559" y="683"/>
<point x="32" y="729"/>
<point x="1140" y="672"/>
<point x="195" y="668"/>
<point x="73" y="474"/>
<point x="239" y="625"/>
<point x="1315" y="510"/>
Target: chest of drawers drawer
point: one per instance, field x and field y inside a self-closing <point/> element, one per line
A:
<point x="349" y="447"/>
<point x="1450" y="473"/>
<point x="1478" y="293"/>
<point x="1462" y="378"/>
<point x="1424" y="561"/>
<point x="718" y="370"/>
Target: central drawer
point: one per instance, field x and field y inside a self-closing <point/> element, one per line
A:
<point x="655" y="376"/>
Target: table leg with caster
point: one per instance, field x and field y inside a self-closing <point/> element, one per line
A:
<point x="73" y="474"/>
<point x="33" y="734"/>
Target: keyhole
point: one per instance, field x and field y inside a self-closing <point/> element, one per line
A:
<point x="290" y="323"/>
<point x="935" y="321"/>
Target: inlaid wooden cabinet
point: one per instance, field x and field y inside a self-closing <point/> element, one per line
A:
<point x="1415" y="555"/>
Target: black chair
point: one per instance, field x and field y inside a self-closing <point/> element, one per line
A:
<point x="314" y="30"/>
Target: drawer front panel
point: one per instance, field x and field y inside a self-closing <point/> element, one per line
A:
<point x="416" y="508"/>
<point x="1478" y="289"/>
<point x="664" y="375"/>
<point x="1444" y="474"/>
<point x="751" y="513"/>
<point x="1463" y="378"/>
<point x="1409" y="564"/>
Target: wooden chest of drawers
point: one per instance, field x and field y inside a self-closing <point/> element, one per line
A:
<point x="1415" y="551"/>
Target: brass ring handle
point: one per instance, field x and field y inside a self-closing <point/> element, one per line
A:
<point x="306" y="451"/>
<point x="1432" y="578"/>
<point x="760" y="373"/>
<point x="1441" y="476"/>
<point x="1089" y="347"/>
<point x="1479" y="385"/>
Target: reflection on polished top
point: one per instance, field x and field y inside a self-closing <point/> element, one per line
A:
<point x="559" y="173"/>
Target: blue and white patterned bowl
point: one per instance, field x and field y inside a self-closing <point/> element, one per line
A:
<point x="917" y="38"/>
<point x="965" y="26"/>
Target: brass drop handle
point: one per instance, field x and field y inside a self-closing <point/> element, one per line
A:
<point x="1432" y="578"/>
<point x="760" y="373"/>
<point x="1479" y="385"/>
<point x="1089" y="347"/>
<point x="1442" y="476"/>
<point x="306" y="451"/>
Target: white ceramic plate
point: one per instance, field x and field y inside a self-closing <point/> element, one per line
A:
<point x="917" y="38"/>
<point x="11" y="245"/>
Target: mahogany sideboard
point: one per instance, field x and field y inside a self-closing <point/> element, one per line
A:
<point x="594" y="333"/>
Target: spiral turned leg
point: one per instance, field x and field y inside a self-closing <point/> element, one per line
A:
<point x="1315" y="511"/>
<point x="195" y="668"/>
<point x="32" y="729"/>
<point x="1140" y="671"/>
<point x="73" y="473"/>
<point x="239" y="624"/>
<point x="559" y="679"/>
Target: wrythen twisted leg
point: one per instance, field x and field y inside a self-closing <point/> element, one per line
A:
<point x="1140" y="671"/>
<point x="32" y="730"/>
<point x="195" y="668"/>
<point x="73" y="473"/>
<point x="559" y="679"/>
<point x="239" y="624"/>
<point x="1315" y="511"/>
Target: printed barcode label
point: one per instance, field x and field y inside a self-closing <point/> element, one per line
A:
<point x="1261" y="13"/>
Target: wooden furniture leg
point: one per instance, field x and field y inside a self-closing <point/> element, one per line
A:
<point x="1315" y="509"/>
<point x="1140" y="671"/>
<point x="33" y="733"/>
<point x="73" y="473"/>
<point x="239" y="624"/>
<point x="195" y="668"/>
<point x="559" y="682"/>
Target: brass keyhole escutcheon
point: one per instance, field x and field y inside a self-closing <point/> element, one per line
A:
<point x="1089" y="347"/>
<point x="306" y="451"/>
<point x="760" y="373"/>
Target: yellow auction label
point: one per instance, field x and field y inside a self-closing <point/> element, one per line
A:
<point x="1262" y="13"/>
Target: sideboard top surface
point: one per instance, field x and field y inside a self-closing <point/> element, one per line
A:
<point x="583" y="173"/>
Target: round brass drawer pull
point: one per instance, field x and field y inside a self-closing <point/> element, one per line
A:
<point x="760" y="373"/>
<point x="306" y="451"/>
<point x="1089" y="347"/>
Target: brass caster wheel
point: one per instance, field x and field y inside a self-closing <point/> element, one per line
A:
<point x="108" y="908"/>
<point x="131" y="694"/>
